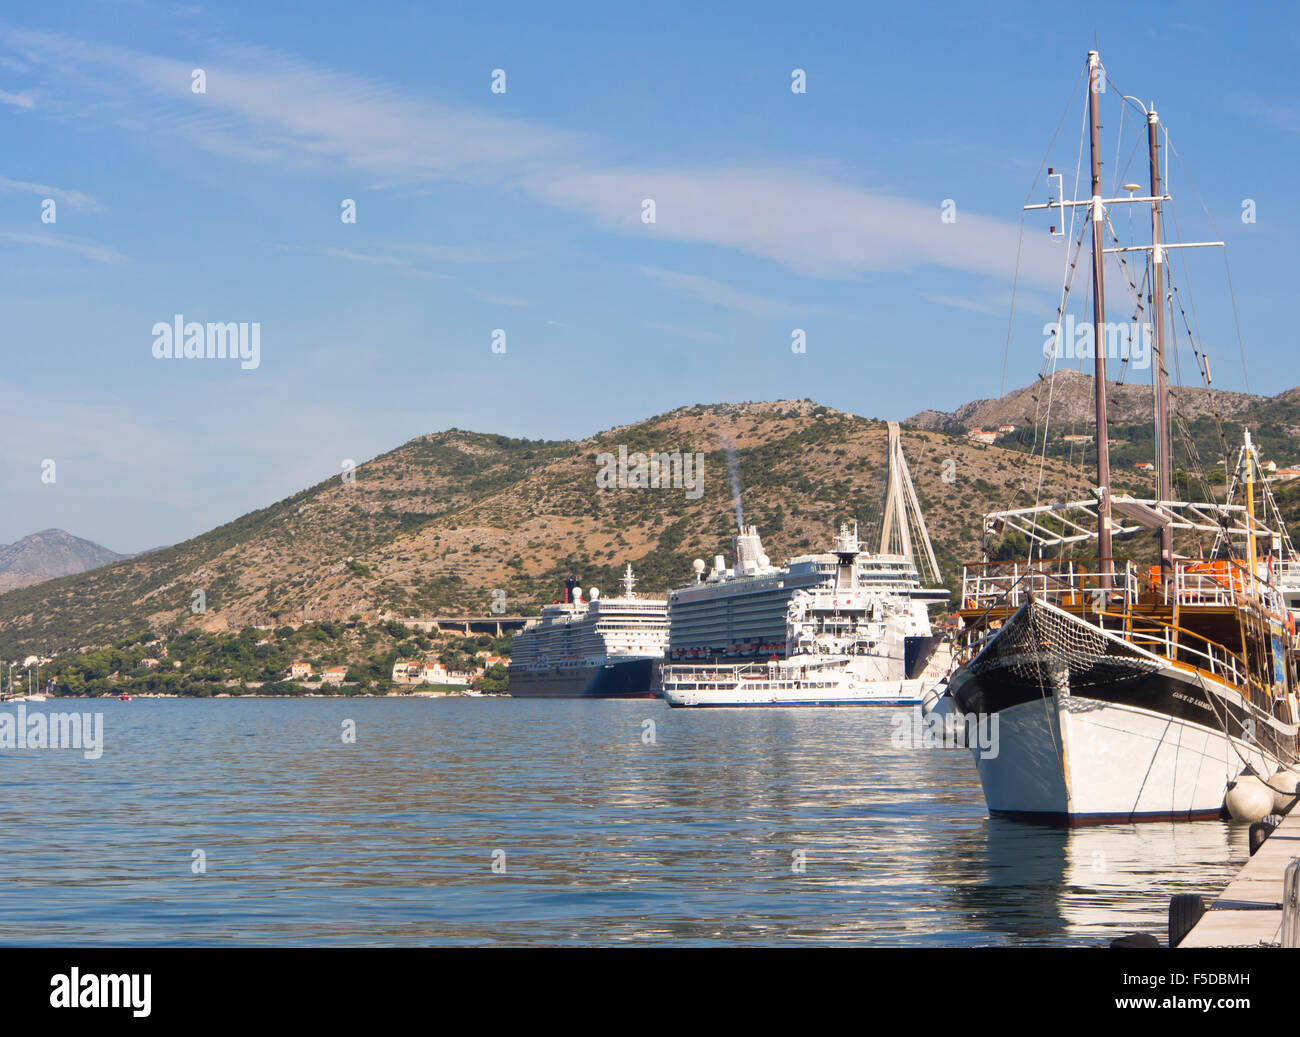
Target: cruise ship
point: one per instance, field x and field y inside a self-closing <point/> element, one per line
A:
<point x="846" y="627"/>
<point x="592" y="648"/>
<point x="755" y="611"/>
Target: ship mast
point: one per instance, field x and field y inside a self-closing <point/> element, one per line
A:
<point x="1164" y="473"/>
<point x="1098" y="325"/>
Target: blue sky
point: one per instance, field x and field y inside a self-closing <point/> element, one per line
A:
<point x="522" y="211"/>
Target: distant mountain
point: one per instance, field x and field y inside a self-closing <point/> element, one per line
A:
<point x="48" y="554"/>
<point x="1213" y="422"/>
<point x="1072" y="402"/>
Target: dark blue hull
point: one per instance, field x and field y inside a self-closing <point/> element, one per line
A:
<point x="631" y="679"/>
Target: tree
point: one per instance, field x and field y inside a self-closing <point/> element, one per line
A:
<point x="496" y="681"/>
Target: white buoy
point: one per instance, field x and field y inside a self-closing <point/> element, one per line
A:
<point x="1248" y="799"/>
<point x="1286" y="778"/>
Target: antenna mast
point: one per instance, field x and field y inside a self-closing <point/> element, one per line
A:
<point x="1099" y="323"/>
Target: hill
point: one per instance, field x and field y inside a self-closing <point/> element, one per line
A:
<point x="457" y="521"/>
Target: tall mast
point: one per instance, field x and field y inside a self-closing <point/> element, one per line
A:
<point x="1249" y="453"/>
<point x="1099" y="324"/>
<point x="1164" y="472"/>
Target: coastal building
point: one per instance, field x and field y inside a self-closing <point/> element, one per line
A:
<point x="436" y="673"/>
<point x="299" y="671"/>
<point x="335" y="675"/>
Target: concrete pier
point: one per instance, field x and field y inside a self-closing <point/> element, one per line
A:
<point x="1249" y="912"/>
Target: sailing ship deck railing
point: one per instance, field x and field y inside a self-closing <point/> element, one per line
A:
<point x="1181" y="645"/>
<point x="1184" y="646"/>
<point x="1071" y="583"/>
<point x="1224" y="582"/>
<point x="1061" y="581"/>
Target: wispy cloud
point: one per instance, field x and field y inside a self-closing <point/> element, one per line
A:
<point x="699" y="334"/>
<point x="333" y="252"/>
<point x="707" y="290"/>
<point x="268" y="107"/>
<point x="73" y="199"/>
<point x="997" y="307"/>
<point x="500" y="300"/>
<point x="27" y="99"/>
<point x="48" y="239"/>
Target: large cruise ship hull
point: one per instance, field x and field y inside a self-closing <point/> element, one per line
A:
<point x="1092" y="729"/>
<point x="629" y="679"/>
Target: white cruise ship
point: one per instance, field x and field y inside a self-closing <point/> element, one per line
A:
<point x="854" y="631"/>
<point x="842" y="628"/>
<point x="592" y="648"/>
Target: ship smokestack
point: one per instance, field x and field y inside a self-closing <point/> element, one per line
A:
<point x="847" y="547"/>
<point x="748" y="550"/>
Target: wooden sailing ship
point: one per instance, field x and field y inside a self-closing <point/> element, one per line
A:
<point x="1126" y="691"/>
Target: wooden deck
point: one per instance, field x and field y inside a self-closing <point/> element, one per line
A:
<point x="1249" y="912"/>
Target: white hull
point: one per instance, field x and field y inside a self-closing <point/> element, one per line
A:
<point x="1091" y="728"/>
<point x="1091" y="761"/>
<point x="847" y="692"/>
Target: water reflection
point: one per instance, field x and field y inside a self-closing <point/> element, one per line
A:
<point x="775" y="826"/>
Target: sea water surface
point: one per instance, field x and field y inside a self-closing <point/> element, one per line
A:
<point x="502" y="821"/>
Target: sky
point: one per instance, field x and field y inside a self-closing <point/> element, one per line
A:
<point x="878" y="211"/>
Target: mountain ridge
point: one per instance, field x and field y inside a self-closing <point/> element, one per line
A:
<point x="47" y="554"/>
<point x="470" y="523"/>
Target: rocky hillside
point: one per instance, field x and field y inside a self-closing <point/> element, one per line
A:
<point x="451" y="523"/>
<point x="1072" y="403"/>
<point x="47" y="554"/>
<point x="466" y="523"/>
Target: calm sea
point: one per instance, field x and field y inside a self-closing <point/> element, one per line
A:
<point x="525" y="822"/>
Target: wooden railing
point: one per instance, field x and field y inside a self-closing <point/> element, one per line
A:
<point x="1067" y="583"/>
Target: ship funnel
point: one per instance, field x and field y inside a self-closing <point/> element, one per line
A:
<point x="846" y="549"/>
<point x="749" y="550"/>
